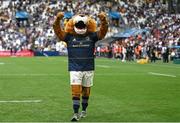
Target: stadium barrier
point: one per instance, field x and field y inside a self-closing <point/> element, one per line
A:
<point x="27" y="53"/>
<point x="23" y="53"/>
<point x="49" y="53"/>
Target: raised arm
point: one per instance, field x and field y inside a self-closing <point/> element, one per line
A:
<point x="103" y="26"/>
<point x="57" y="28"/>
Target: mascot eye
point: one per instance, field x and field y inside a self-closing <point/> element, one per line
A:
<point x="80" y="25"/>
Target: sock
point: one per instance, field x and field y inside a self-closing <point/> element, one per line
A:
<point x="76" y="104"/>
<point x="84" y="102"/>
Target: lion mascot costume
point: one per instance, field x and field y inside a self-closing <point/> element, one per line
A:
<point x="80" y="33"/>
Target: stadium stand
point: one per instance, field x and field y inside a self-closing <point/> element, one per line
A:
<point x="137" y="28"/>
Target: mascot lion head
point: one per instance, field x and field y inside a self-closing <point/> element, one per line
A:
<point x="80" y="24"/>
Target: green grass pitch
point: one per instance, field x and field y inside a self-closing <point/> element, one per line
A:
<point x="122" y="92"/>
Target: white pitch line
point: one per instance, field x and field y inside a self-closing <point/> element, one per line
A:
<point x="20" y="101"/>
<point x="97" y="74"/>
<point x="103" y="66"/>
<point x="31" y="74"/>
<point x="2" y="63"/>
<point x="160" y="74"/>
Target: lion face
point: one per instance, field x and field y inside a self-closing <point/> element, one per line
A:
<point x="80" y="24"/>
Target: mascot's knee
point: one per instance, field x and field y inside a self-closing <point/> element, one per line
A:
<point x="86" y="91"/>
<point x="76" y="90"/>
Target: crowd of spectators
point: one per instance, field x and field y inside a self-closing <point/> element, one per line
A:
<point x="157" y="43"/>
<point x="36" y="33"/>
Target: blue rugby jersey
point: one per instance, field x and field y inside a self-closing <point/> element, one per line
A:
<point x="81" y="52"/>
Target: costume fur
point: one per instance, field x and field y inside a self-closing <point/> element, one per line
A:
<point x="91" y="26"/>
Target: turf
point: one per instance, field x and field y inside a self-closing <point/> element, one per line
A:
<point x="122" y="92"/>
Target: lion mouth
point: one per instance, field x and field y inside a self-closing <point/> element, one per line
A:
<point x="80" y="24"/>
<point x="80" y="27"/>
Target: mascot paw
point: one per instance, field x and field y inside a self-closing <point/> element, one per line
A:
<point x="60" y="15"/>
<point x="102" y="16"/>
